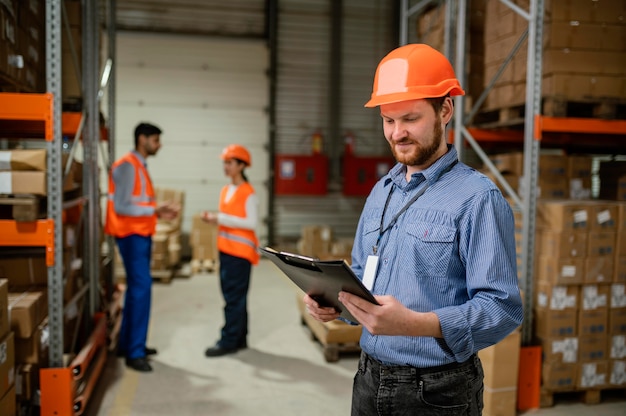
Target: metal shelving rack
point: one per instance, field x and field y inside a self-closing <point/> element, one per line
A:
<point x="537" y="128"/>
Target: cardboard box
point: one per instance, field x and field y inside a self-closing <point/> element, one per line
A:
<point x="617" y="321"/>
<point x="617" y="376"/>
<point x="559" y="376"/>
<point x="565" y="215"/>
<point x="23" y="182"/>
<point x="593" y="322"/>
<point x="593" y="348"/>
<point x="23" y="159"/>
<point x="568" y="271"/>
<point x="7" y="363"/>
<point x="34" y="350"/>
<point x="203" y="239"/>
<point x="593" y="375"/>
<point x="603" y="215"/>
<point x="501" y="363"/>
<point x="497" y="402"/>
<point x="599" y="269"/>
<point x="620" y="243"/>
<point x="551" y="323"/>
<point x="28" y="309"/>
<point x="601" y="244"/>
<point x="8" y="403"/>
<point x="562" y="245"/>
<point x="26" y="381"/>
<point x="556" y="297"/>
<point x="24" y="271"/>
<point x="621" y="219"/>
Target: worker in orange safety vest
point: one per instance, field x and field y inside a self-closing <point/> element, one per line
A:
<point x="237" y="245"/>
<point x="131" y="218"/>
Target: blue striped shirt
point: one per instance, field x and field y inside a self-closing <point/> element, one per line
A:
<point x="452" y="252"/>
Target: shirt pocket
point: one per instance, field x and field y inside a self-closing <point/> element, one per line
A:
<point x="429" y="249"/>
<point x="371" y="229"/>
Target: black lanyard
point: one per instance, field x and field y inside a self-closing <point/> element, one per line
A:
<point x="406" y="206"/>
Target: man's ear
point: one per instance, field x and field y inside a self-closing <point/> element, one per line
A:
<point x="447" y="110"/>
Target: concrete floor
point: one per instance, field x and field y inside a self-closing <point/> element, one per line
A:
<point x="283" y="372"/>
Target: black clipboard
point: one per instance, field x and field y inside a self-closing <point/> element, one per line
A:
<point x="320" y="279"/>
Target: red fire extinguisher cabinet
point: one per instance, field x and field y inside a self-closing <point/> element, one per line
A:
<point x="300" y="174"/>
<point x="361" y="173"/>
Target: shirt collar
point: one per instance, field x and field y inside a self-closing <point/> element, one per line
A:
<point x="140" y="157"/>
<point x="431" y="174"/>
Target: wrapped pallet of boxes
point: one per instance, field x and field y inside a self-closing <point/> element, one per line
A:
<point x="203" y="242"/>
<point x="501" y="366"/>
<point x="315" y="240"/>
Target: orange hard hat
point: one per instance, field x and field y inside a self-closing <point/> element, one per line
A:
<point x="236" y="151"/>
<point x="411" y="72"/>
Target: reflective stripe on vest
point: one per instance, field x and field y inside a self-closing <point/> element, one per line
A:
<point x="143" y="195"/>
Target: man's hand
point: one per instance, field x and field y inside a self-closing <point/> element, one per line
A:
<point x="390" y="317"/>
<point x="322" y="314"/>
<point x="168" y="210"/>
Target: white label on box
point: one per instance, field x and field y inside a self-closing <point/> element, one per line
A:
<point x="591" y="299"/>
<point x="568" y="347"/>
<point x="542" y="300"/>
<point x="618" y="295"/>
<point x="580" y="216"/>
<point x="5" y="183"/>
<point x="604" y="216"/>
<point x="589" y="377"/>
<point x="568" y="271"/>
<point x="3" y="352"/>
<point x="618" y="346"/>
<point x="618" y="373"/>
<point x="5" y="160"/>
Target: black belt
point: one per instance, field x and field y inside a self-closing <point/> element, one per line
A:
<point x="407" y="369"/>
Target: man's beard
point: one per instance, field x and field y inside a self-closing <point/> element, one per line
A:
<point x="422" y="155"/>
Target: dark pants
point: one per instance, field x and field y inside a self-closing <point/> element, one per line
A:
<point x="450" y="390"/>
<point x="234" y="281"/>
<point x="135" y="251"/>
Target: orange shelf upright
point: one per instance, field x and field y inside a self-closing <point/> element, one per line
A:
<point x="27" y="114"/>
<point x="29" y="234"/>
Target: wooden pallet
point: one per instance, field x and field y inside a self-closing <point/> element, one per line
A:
<point x="203" y="266"/>
<point x="336" y="337"/>
<point x="594" y="396"/>
<point x="513" y="116"/>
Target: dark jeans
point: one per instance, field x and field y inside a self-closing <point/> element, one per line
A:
<point x="135" y="251"/>
<point x="234" y="281"/>
<point x="450" y="390"/>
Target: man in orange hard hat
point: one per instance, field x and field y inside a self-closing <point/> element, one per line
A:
<point x="435" y="245"/>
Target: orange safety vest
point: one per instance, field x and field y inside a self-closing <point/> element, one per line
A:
<point x="237" y="242"/>
<point x="119" y="225"/>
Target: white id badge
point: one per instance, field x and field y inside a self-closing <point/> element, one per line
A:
<point x="369" y="274"/>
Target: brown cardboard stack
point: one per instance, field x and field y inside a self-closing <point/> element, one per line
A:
<point x="575" y="284"/>
<point x="559" y="176"/>
<point x="501" y="367"/>
<point x="7" y="355"/>
<point x="203" y="242"/>
<point x="319" y="241"/>
<point x="583" y="51"/>
<point x="430" y="30"/>
<point x="29" y="310"/>
<point x="166" y="242"/>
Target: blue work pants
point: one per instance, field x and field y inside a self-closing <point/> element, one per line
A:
<point x="234" y="282"/>
<point x="136" y="251"/>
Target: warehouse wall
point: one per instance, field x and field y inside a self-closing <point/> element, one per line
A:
<point x="304" y="82"/>
<point x="204" y="93"/>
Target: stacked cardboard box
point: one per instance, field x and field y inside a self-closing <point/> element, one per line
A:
<point x="7" y="355"/>
<point x="583" y="51"/>
<point x="575" y="294"/>
<point x="166" y="243"/>
<point x="203" y="242"/>
<point x="319" y="241"/>
<point x="501" y="367"/>
<point x="613" y="180"/>
<point x="560" y="176"/>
